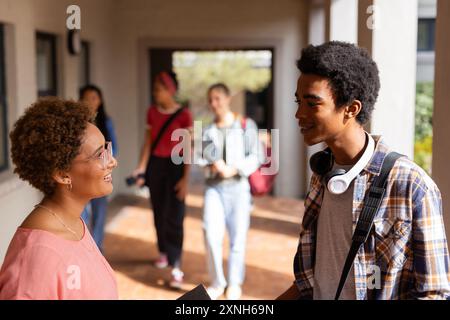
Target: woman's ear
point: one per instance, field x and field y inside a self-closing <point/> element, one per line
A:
<point x="352" y="110"/>
<point x="62" y="178"/>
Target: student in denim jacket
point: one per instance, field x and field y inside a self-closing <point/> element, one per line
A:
<point x="230" y="156"/>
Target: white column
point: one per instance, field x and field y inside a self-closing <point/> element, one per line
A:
<point x="316" y="22"/>
<point x="441" y="115"/>
<point x="330" y="20"/>
<point x="341" y="20"/>
<point x="316" y="36"/>
<point x="388" y="29"/>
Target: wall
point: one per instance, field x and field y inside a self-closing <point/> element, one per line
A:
<point x="441" y="129"/>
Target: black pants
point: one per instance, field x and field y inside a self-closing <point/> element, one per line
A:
<point x="161" y="177"/>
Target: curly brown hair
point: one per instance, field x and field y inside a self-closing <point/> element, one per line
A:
<point x="46" y="138"/>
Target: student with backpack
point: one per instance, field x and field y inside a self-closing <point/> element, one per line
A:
<point x="230" y="156"/>
<point x="373" y="226"/>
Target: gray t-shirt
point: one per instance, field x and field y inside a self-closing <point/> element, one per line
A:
<point x="334" y="238"/>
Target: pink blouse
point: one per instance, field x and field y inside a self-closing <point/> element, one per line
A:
<point x="43" y="266"/>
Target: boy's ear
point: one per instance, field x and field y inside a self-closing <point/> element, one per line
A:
<point x="353" y="109"/>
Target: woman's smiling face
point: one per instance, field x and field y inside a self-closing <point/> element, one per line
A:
<point x="318" y="117"/>
<point x="89" y="173"/>
<point x="219" y="102"/>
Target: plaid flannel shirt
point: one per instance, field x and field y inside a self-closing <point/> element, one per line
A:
<point x="407" y="243"/>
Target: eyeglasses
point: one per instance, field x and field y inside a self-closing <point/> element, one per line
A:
<point x="104" y="157"/>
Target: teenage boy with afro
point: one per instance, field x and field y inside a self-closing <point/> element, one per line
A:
<point x="406" y="247"/>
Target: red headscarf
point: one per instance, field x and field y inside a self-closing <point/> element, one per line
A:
<point x="167" y="81"/>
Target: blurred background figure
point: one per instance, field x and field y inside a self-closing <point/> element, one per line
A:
<point x="95" y="212"/>
<point x="167" y="181"/>
<point x="230" y="159"/>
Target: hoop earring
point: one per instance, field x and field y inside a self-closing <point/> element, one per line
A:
<point x="69" y="186"/>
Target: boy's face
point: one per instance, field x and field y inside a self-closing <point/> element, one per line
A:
<point x="318" y="117"/>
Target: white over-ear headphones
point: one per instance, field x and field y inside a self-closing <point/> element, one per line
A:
<point x="337" y="181"/>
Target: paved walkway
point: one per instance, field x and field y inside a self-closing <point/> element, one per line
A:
<point x="130" y="246"/>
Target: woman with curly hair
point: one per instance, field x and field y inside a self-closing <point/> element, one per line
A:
<point x="57" y="149"/>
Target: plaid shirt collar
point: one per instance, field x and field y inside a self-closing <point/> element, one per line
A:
<point x="380" y="152"/>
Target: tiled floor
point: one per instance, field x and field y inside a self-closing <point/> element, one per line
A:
<point x="130" y="245"/>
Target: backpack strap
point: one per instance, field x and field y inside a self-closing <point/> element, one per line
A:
<point x="372" y="202"/>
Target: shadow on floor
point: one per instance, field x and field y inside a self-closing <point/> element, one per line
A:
<point x="260" y="283"/>
<point x="257" y="222"/>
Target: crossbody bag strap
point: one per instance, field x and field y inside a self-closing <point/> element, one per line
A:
<point x="372" y="202"/>
<point x="164" y="128"/>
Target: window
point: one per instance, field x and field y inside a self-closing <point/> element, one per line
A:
<point x="46" y="64"/>
<point x="3" y="114"/>
<point x="85" y="64"/>
<point x="425" y="34"/>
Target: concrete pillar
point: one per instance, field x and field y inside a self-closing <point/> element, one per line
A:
<point x="388" y="29"/>
<point x="316" y="36"/>
<point x="341" y="21"/>
<point x="441" y="128"/>
<point x="316" y="22"/>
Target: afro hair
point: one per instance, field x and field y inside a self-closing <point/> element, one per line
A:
<point x="351" y="73"/>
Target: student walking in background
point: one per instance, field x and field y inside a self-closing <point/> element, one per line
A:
<point x="56" y="148"/>
<point x="95" y="212"/>
<point x="230" y="158"/>
<point x="167" y="181"/>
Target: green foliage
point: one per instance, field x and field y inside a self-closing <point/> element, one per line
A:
<point x="424" y="125"/>
<point x="239" y="70"/>
<point x="424" y="110"/>
<point x="423" y="153"/>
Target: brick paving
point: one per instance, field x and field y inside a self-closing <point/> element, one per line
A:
<point x="130" y="247"/>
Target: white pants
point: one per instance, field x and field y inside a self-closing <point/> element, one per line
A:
<point x="227" y="206"/>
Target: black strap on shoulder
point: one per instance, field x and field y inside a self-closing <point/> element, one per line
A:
<point x="164" y="128"/>
<point x="372" y="202"/>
